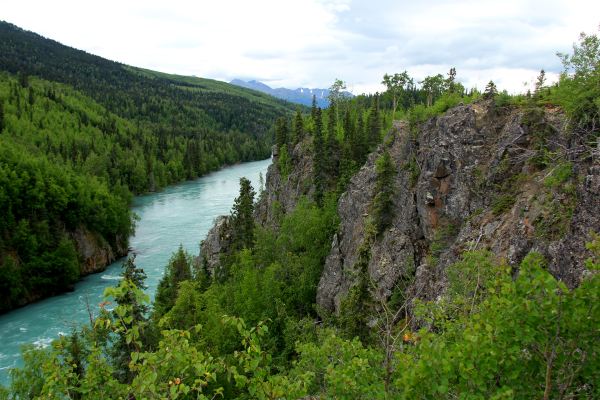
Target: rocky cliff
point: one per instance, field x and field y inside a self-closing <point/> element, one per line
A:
<point x="95" y="252"/>
<point x="478" y="177"/>
<point x="280" y="196"/>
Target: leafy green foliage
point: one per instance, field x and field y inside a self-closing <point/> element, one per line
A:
<point x="579" y="90"/>
<point x="129" y="319"/>
<point x="39" y="203"/>
<point x="339" y="368"/>
<point x="421" y="113"/>
<point x="559" y="175"/>
<point x="521" y="343"/>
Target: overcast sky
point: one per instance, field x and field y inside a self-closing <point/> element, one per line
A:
<point x="309" y="43"/>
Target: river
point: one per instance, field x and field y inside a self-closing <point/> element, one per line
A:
<point x="180" y="214"/>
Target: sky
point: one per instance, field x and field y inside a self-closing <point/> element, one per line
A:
<point x="310" y="43"/>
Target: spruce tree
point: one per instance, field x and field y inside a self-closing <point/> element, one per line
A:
<point x="298" y="127"/>
<point x="318" y="160"/>
<point x="382" y="208"/>
<point x="242" y="216"/>
<point x="128" y="297"/>
<point x="31" y="96"/>
<point x="1" y="115"/>
<point x="349" y="133"/>
<point x="178" y="270"/>
<point x="490" y="90"/>
<point x="540" y="82"/>
<point x="374" y="125"/>
<point x="331" y="144"/>
<point x="281" y="132"/>
<point x="361" y="148"/>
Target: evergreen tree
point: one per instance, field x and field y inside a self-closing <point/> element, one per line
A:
<point x="1" y="115"/>
<point x="349" y="133"/>
<point x="374" y="125"/>
<point x="137" y="277"/>
<point x="128" y="299"/>
<point x="382" y="207"/>
<point x="313" y="109"/>
<point x="298" y="127"/>
<point x="178" y="270"/>
<point x="361" y="148"/>
<point x="540" y="82"/>
<point x="319" y="158"/>
<point x="331" y="144"/>
<point x="31" y="96"/>
<point x="242" y="216"/>
<point x="281" y="132"/>
<point x="490" y="90"/>
<point x="23" y="79"/>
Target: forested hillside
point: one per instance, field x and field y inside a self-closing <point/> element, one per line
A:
<point x="79" y="134"/>
<point x="426" y="243"/>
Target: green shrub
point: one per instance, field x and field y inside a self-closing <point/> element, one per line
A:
<point x="503" y="203"/>
<point x="559" y="175"/>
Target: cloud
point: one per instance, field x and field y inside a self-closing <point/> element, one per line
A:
<point x="309" y="43"/>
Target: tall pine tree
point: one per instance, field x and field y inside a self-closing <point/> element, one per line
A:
<point x="374" y="125"/>
<point x="1" y="115"/>
<point x="281" y="132"/>
<point x="298" y="127"/>
<point x="178" y="270"/>
<point x="319" y="158"/>
<point x="241" y="217"/>
<point x="128" y="298"/>
<point x="331" y="144"/>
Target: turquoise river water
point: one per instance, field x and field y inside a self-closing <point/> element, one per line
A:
<point x="181" y="214"/>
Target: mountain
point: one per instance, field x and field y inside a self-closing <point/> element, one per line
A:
<point x="301" y="95"/>
<point x="187" y="102"/>
<point x="79" y="134"/>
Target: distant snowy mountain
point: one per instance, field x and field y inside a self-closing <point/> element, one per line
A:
<point x="300" y="95"/>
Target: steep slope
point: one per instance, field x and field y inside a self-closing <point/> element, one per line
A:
<point x="477" y="177"/>
<point x="480" y="176"/>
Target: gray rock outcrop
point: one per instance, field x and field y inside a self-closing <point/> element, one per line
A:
<point x="452" y="175"/>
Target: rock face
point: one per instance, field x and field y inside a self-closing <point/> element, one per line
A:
<point x="217" y="242"/>
<point x="464" y="181"/>
<point x="282" y="193"/>
<point x="95" y="252"/>
<point x="280" y="196"/>
<point x="394" y="254"/>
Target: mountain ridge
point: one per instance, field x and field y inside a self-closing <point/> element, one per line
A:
<point x="300" y="95"/>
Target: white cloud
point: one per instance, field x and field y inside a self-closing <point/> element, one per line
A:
<point x="309" y="43"/>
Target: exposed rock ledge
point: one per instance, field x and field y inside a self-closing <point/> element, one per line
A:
<point x="96" y="252"/>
